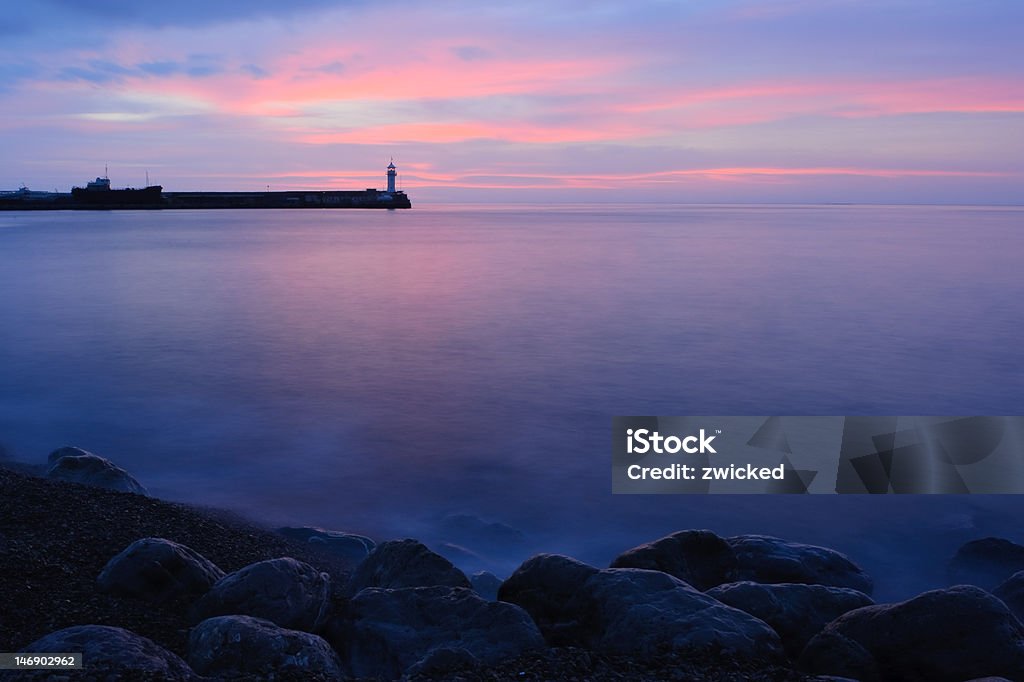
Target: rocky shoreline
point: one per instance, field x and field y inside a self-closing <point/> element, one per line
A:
<point x="155" y="590"/>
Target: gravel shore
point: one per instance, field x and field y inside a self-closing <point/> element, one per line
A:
<point x="56" y="537"/>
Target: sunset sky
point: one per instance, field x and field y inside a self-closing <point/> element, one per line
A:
<point x="684" y="101"/>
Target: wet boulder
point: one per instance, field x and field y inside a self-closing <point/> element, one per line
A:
<point x="462" y="557"/>
<point x="66" y="451"/>
<point x="697" y="557"/>
<point x="156" y="570"/>
<point x="386" y="632"/>
<point x="115" y="653"/>
<point x="78" y="466"/>
<point x="766" y="559"/>
<point x="405" y="563"/>
<point x="441" y="663"/>
<point x="486" y="584"/>
<point x="348" y="546"/>
<point x="473" y="543"/>
<point x="986" y="562"/>
<point x="287" y="592"/>
<point x="796" y="612"/>
<point x="1011" y="592"/>
<point x="473" y="530"/>
<point x="631" y="611"/>
<point x="234" y="646"/>
<point x="543" y="585"/>
<point x="950" y="635"/>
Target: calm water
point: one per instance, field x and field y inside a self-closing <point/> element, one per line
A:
<point x="381" y="371"/>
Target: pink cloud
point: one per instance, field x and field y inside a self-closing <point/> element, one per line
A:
<point x="414" y="178"/>
<point x="761" y="101"/>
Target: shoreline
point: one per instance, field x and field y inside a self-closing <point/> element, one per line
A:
<point x="688" y="606"/>
<point x="56" y="537"/>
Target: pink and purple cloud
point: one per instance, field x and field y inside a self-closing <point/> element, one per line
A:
<point x="728" y="101"/>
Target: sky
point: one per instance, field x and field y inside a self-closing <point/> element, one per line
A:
<point x="694" y="101"/>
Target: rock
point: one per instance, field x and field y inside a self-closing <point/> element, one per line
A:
<point x="631" y="611"/>
<point x="114" y="651"/>
<point x="796" y="612"/>
<point x="462" y="558"/>
<point x="287" y="592"/>
<point x="78" y="466"/>
<point x="986" y="562"/>
<point x="472" y="531"/>
<point x="950" y="635"/>
<point x="764" y="559"/>
<point x="486" y="584"/>
<point x="440" y="662"/>
<point x="543" y="585"/>
<point x="636" y="612"/>
<point x="232" y="646"/>
<point x="697" y="557"/>
<point x="385" y="632"/>
<point x="405" y="563"/>
<point x="1012" y="593"/>
<point x="156" y="570"/>
<point x="66" y="451"/>
<point x="349" y="546"/>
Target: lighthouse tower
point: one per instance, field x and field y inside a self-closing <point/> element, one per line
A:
<point x="392" y="174"/>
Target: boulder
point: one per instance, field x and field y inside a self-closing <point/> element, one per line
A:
<point x="470" y="528"/>
<point x="233" y="646"/>
<point x="287" y="592"/>
<point x="697" y="557"/>
<point x="1011" y="592"/>
<point x="632" y="611"/>
<point x="765" y="559"/>
<point x="156" y="570"/>
<point x="78" y="466"/>
<point x="472" y="531"/>
<point x="405" y="563"/>
<point x="348" y="546"/>
<point x="463" y="558"/>
<point x="486" y="584"/>
<point x="543" y="585"/>
<point x="986" y="562"/>
<point x="109" y="651"/>
<point x="636" y="612"/>
<point x="440" y="663"/>
<point x="66" y="451"/>
<point x="796" y="612"/>
<point x="950" y="635"/>
<point x="386" y="632"/>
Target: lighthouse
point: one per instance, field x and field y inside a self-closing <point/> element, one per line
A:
<point x="392" y="174"/>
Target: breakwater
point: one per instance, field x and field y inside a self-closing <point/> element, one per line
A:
<point x="113" y="200"/>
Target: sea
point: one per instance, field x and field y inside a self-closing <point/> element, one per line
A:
<point x="450" y="372"/>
